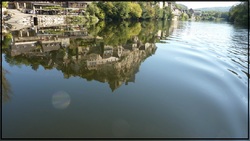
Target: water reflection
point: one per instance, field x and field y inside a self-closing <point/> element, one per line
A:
<point x="61" y="100"/>
<point x="6" y="88"/>
<point x="188" y="89"/>
<point x="108" y="52"/>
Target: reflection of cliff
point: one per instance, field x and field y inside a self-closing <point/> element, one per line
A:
<point x="101" y="56"/>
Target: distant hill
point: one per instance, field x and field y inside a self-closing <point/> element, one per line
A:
<point x="220" y="9"/>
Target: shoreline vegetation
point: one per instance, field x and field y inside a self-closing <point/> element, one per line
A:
<point x="106" y="12"/>
<point x="117" y="11"/>
<point x="94" y="12"/>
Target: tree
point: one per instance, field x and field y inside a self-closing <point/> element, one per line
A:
<point x="135" y="10"/>
<point x="183" y="17"/>
<point x="122" y="10"/>
<point x="239" y="14"/>
<point x="7" y="40"/>
<point x="147" y="11"/>
<point x="94" y="10"/>
<point x="181" y="6"/>
<point x="5" y="4"/>
<point x="158" y="12"/>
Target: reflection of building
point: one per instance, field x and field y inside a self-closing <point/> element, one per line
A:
<point x="107" y="51"/>
<point x="49" y="7"/>
<point x="27" y="42"/>
<point x="48" y="46"/>
<point x="95" y="59"/>
<point x="24" y="47"/>
<point x="79" y="56"/>
<point x="118" y="51"/>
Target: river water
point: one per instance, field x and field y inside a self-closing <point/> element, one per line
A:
<point x="143" y="80"/>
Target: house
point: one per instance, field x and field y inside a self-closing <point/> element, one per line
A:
<point x="77" y="4"/>
<point x="107" y="51"/>
<point x="37" y="7"/>
<point x="118" y="51"/>
<point x="93" y="60"/>
<point x="18" y="48"/>
<point x="44" y="8"/>
<point x="48" y="46"/>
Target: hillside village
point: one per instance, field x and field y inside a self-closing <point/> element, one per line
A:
<point x="32" y="12"/>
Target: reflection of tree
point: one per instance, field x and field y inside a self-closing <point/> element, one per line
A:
<point x="115" y="58"/>
<point x="6" y="88"/>
<point x="7" y="40"/>
<point x="117" y="34"/>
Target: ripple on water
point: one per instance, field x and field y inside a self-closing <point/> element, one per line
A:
<point x="211" y="69"/>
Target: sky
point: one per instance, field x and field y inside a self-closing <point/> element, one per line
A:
<point x="194" y="5"/>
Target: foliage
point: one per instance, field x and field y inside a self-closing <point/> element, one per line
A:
<point x="239" y="14"/>
<point x="218" y="9"/>
<point x="147" y="11"/>
<point x="119" y="34"/>
<point x="168" y="13"/>
<point x="181" y="6"/>
<point x="79" y="20"/>
<point x="7" y="40"/>
<point x="94" y="10"/>
<point x="4" y="4"/>
<point x="183" y="17"/>
<point x="212" y="15"/>
<point x="96" y="28"/>
<point x="158" y="12"/>
<point x="135" y="10"/>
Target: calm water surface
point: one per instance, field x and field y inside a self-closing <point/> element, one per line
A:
<point x="185" y="79"/>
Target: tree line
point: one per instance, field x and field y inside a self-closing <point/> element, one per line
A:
<point x="128" y="10"/>
<point x="239" y="14"/>
<point x="213" y="15"/>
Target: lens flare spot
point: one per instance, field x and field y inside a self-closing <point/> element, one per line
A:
<point x="61" y="100"/>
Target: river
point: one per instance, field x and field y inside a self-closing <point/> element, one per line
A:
<point x="134" y="80"/>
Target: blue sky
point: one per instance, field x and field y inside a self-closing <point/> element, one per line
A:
<point x="208" y="4"/>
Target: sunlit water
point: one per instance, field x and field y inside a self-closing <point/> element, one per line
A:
<point x="193" y="85"/>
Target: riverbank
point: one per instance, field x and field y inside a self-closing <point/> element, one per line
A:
<point x="20" y="20"/>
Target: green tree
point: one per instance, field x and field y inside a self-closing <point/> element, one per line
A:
<point x="158" y="12"/>
<point x="239" y="14"/>
<point x="147" y="11"/>
<point x="224" y="15"/>
<point x="7" y="40"/>
<point x="122" y="10"/>
<point x="135" y="10"/>
<point x="5" y="4"/>
<point x="94" y="10"/>
<point x="183" y="17"/>
<point x="181" y="6"/>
